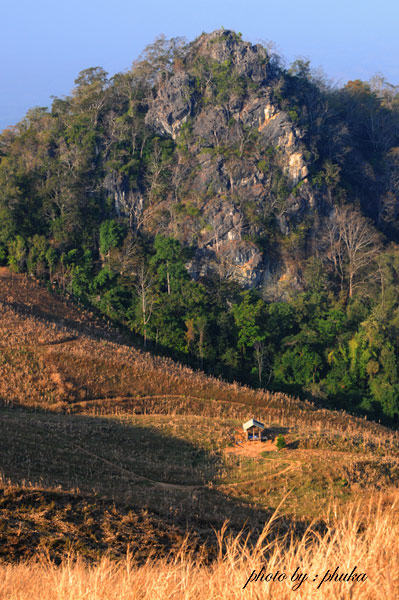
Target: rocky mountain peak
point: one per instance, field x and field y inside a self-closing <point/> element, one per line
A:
<point x="225" y="45"/>
<point x="238" y="144"/>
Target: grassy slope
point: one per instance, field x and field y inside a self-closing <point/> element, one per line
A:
<point x="102" y="427"/>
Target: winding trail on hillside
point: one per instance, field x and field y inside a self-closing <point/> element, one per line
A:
<point x="287" y="469"/>
<point x="135" y="476"/>
<point x="157" y="397"/>
<point x="67" y="340"/>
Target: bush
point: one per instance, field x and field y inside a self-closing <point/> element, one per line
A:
<point x="280" y="442"/>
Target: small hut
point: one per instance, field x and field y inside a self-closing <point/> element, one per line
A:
<point x="253" y="429"/>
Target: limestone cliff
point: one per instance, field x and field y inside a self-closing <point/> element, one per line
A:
<point x="242" y="160"/>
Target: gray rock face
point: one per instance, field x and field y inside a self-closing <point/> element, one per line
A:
<point x="226" y="182"/>
<point x="210" y="125"/>
<point x="234" y="260"/>
<point x="172" y="106"/>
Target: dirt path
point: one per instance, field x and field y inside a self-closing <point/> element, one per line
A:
<point x="251" y="449"/>
<point x="137" y="478"/>
<point x="260" y="477"/>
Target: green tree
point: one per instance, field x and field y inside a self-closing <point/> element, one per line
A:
<point x="36" y="261"/>
<point x="17" y="254"/>
<point x="111" y="236"/>
<point x="51" y="258"/>
<point x="246" y="316"/>
<point x="169" y="263"/>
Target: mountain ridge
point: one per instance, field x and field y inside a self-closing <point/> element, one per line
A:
<point x="236" y="214"/>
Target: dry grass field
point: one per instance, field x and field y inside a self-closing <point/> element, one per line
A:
<point x="109" y="456"/>
<point x="348" y="560"/>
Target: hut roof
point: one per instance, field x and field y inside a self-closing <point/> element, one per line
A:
<point x="253" y="423"/>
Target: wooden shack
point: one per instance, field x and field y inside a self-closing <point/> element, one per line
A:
<point x="253" y="429"/>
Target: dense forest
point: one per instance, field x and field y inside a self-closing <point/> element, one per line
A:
<point x="235" y="213"/>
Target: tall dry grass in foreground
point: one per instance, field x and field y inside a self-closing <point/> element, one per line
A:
<point x="365" y="537"/>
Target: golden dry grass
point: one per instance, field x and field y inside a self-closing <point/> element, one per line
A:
<point x="56" y="356"/>
<point x="364" y="537"/>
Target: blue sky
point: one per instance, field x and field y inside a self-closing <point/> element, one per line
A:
<point x="45" y="44"/>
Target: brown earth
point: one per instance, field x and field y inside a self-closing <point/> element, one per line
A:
<point x="251" y="448"/>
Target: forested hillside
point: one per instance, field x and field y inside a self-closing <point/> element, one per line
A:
<point x="233" y="213"/>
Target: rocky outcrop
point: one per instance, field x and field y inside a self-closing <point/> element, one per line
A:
<point x="224" y="45"/>
<point x="237" y="147"/>
<point x="172" y="106"/>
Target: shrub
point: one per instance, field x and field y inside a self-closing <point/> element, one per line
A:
<point x="280" y="442"/>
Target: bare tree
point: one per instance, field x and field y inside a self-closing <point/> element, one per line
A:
<point x="126" y="260"/>
<point x="201" y="325"/>
<point x="157" y="169"/>
<point x="131" y="205"/>
<point x="144" y="285"/>
<point x="217" y="227"/>
<point x="190" y="332"/>
<point x="352" y="246"/>
<point x="245" y="136"/>
<point x="260" y="358"/>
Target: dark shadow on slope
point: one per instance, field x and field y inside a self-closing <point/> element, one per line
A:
<point x="122" y="464"/>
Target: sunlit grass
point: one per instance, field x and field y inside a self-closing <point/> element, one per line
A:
<point x="364" y="537"/>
